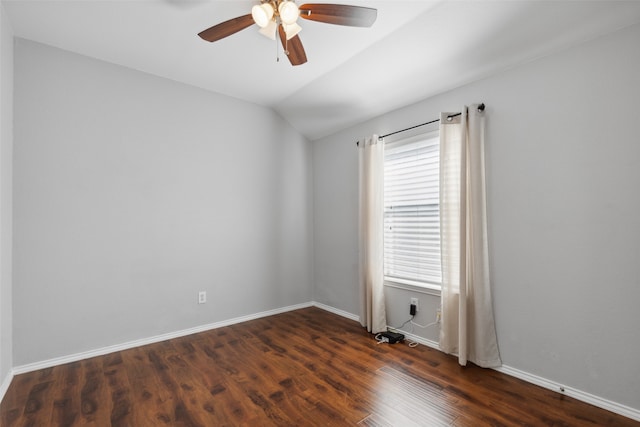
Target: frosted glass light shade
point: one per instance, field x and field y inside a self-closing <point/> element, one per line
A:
<point x="291" y="30"/>
<point x="288" y="12"/>
<point x="262" y="14"/>
<point x="269" y="30"/>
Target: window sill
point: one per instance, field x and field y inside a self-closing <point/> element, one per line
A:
<point x="424" y="289"/>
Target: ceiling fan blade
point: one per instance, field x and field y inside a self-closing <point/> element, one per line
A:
<point x="339" y="14"/>
<point x="226" y="28"/>
<point x="293" y="48"/>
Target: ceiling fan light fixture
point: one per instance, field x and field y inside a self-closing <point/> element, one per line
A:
<point x="270" y="30"/>
<point x="291" y="30"/>
<point x="262" y="14"/>
<point x="277" y="20"/>
<point x="289" y="12"/>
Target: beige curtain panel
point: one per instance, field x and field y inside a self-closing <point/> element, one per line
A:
<point x="371" y="229"/>
<point x="468" y="327"/>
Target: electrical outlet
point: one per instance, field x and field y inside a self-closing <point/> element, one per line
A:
<point x="202" y="297"/>
<point x="414" y="301"/>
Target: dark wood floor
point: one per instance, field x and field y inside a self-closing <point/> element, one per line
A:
<point x="302" y="368"/>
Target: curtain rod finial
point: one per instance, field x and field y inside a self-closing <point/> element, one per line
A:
<point x="481" y="107"/>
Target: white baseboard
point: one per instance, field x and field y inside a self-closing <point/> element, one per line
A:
<point x="151" y="340"/>
<point x="608" y="405"/>
<point x="591" y="399"/>
<point x="5" y="384"/>
<point x="600" y="402"/>
<point x="336" y="311"/>
<point x="421" y="340"/>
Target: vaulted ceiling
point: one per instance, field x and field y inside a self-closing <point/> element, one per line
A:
<point x="414" y="50"/>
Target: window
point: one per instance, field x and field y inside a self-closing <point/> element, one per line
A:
<point x="412" y="211"/>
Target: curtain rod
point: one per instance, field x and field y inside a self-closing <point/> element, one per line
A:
<point x="480" y="108"/>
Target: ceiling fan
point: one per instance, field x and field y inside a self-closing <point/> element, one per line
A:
<point x="279" y="18"/>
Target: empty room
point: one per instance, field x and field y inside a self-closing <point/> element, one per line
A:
<point x="278" y="213"/>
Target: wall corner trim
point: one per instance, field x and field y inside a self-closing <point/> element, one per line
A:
<point x="336" y="311"/>
<point x="4" y="386"/>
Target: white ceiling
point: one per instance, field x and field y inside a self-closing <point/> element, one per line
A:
<point x="415" y="49"/>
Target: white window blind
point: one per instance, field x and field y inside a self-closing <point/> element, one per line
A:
<point x="411" y="211"/>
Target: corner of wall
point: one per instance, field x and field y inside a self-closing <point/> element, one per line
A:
<point x="4" y="385"/>
<point x="6" y="198"/>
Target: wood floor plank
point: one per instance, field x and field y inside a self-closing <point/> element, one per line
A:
<point x="120" y="390"/>
<point x="307" y="367"/>
<point x="227" y="401"/>
<point x="94" y="407"/>
<point x="38" y="405"/>
<point x="150" y="403"/>
<point x="66" y="403"/>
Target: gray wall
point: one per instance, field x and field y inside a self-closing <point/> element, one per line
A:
<point x="6" y="146"/>
<point x="132" y="193"/>
<point x="563" y="158"/>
